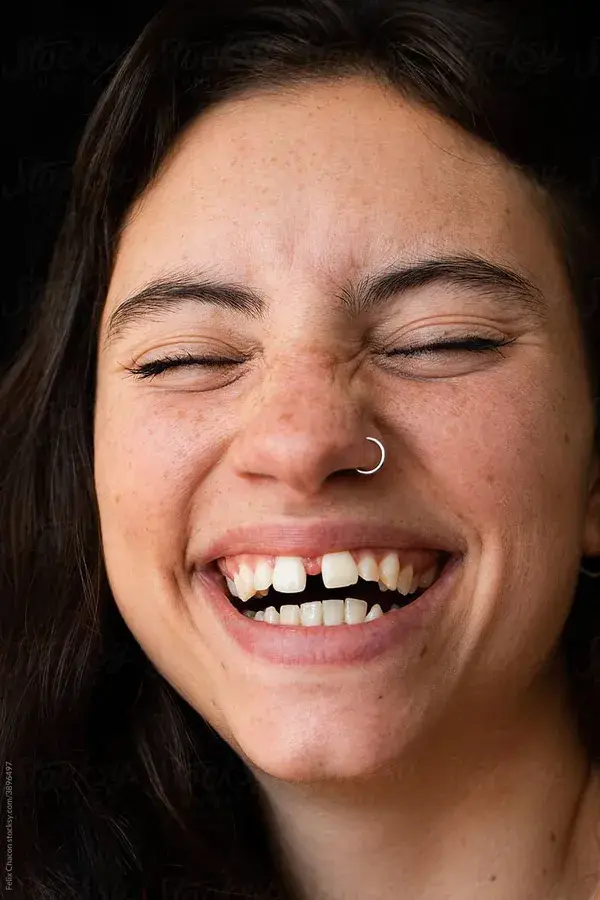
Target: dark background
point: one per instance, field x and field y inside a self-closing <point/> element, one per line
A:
<point x="57" y="60"/>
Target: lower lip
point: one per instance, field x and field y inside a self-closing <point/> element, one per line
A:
<point x="334" y="645"/>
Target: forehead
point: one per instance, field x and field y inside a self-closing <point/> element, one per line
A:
<point x="326" y="179"/>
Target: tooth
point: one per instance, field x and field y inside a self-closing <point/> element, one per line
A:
<point x="368" y="568"/>
<point x="389" y="567"/>
<point x="333" y="612"/>
<point x="428" y="577"/>
<point x="271" y="615"/>
<point x="381" y="586"/>
<point x="289" y="575"/>
<point x="244" y="582"/>
<point x="231" y="586"/>
<point x="405" y="580"/>
<point x="355" y="611"/>
<point x="311" y="613"/>
<point x="263" y="575"/>
<point x="350" y="611"/>
<point x="394" y="606"/>
<point x="374" y="613"/>
<point x="338" y="569"/>
<point x="289" y="615"/>
<point x="414" y="585"/>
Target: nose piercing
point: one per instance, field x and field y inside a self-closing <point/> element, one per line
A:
<point x="588" y="573"/>
<point x="379" y="465"/>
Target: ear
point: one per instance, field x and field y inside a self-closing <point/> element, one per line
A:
<point x="591" y="528"/>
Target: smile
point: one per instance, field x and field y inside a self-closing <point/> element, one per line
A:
<point x="258" y="585"/>
<point x="291" y="642"/>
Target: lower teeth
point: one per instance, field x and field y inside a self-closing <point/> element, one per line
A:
<point x="350" y="611"/>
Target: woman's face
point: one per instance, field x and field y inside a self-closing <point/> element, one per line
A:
<point x="296" y="196"/>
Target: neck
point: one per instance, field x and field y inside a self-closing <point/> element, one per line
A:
<point x="505" y="808"/>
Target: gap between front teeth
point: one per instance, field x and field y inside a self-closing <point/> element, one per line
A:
<point x="338" y="570"/>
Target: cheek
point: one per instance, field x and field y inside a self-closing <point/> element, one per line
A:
<point x="507" y="451"/>
<point x="147" y="472"/>
<point x="149" y="467"/>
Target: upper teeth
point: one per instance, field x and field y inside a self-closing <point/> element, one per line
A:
<point x="287" y="574"/>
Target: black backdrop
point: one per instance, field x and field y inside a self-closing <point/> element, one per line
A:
<point x="57" y="60"/>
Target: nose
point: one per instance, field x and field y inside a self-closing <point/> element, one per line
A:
<point x="310" y="422"/>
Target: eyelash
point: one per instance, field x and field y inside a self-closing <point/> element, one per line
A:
<point x="470" y="344"/>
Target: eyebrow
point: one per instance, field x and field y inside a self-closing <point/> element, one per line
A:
<point x="505" y="287"/>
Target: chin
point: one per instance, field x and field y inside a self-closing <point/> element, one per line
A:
<point x="307" y="749"/>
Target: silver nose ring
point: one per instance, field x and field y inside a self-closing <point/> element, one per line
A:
<point x="379" y="465"/>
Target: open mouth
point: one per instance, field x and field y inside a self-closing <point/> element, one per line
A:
<point x="315" y="590"/>
<point x="364" y="600"/>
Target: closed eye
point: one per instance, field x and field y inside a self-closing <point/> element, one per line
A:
<point x="157" y="366"/>
<point x="471" y="344"/>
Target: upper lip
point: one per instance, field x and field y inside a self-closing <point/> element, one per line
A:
<point x="318" y="536"/>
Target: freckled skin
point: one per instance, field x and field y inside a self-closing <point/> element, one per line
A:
<point x="293" y="195"/>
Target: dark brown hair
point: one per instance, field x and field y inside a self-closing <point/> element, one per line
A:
<point x="119" y="786"/>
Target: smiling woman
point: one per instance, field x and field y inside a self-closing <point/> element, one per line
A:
<point x="294" y="226"/>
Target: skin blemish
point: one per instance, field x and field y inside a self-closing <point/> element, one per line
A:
<point x="423" y="651"/>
